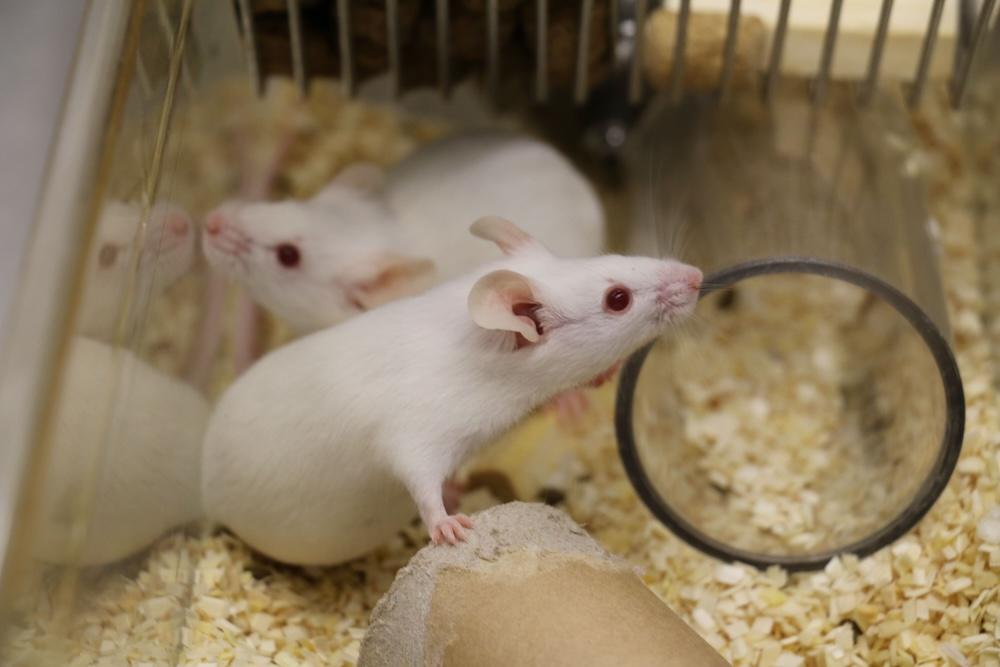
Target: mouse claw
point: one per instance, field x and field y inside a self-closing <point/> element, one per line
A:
<point x="450" y="529"/>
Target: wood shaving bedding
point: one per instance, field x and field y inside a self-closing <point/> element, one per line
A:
<point x="789" y="442"/>
<point x="932" y="598"/>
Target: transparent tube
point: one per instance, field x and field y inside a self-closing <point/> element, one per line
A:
<point x="814" y="406"/>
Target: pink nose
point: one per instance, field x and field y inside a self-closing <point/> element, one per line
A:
<point x="214" y="223"/>
<point x="694" y="278"/>
<point x="178" y="226"/>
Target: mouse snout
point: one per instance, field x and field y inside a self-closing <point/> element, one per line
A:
<point x="178" y="225"/>
<point x="681" y="286"/>
<point x="214" y="223"/>
<point x="222" y="233"/>
<point x="692" y="277"/>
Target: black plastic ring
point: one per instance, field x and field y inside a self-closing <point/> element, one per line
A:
<point x="926" y="495"/>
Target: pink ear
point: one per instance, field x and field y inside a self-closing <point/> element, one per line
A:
<point x="393" y="277"/>
<point x="510" y="238"/>
<point x="494" y="303"/>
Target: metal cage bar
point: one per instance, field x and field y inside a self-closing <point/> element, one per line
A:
<point x="729" y="50"/>
<point x="346" y="50"/>
<point x="635" y="69"/>
<point x="875" y="59"/>
<point x="541" y="51"/>
<point x="926" y="54"/>
<point x="822" y="80"/>
<point x="580" y="88"/>
<point x="960" y="84"/>
<point x="677" y="68"/>
<point x="613" y="20"/>
<point x="777" y="49"/>
<point x="443" y="56"/>
<point x="392" y="44"/>
<point x="493" y="46"/>
<point x="298" y="52"/>
<point x="250" y="46"/>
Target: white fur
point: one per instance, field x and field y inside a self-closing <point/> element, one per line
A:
<point x="165" y="257"/>
<point x="313" y="455"/>
<point x="422" y="212"/>
<point x="127" y="439"/>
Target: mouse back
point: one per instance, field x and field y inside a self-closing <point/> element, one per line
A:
<point x="437" y="191"/>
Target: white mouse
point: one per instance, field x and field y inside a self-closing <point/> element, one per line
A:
<point x="167" y="253"/>
<point x="372" y="236"/>
<point x="125" y="460"/>
<point x="318" y="452"/>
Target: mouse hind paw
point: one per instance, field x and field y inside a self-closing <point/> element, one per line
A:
<point x="451" y="529"/>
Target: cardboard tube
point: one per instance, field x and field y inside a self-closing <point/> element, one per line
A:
<point x="529" y="587"/>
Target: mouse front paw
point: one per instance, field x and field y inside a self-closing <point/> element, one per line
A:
<point x="570" y="408"/>
<point x="450" y="529"/>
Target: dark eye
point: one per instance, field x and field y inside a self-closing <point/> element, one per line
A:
<point x="107" y="255"/>
<point x="288" y="255"/>
<point x="618" y="299"/>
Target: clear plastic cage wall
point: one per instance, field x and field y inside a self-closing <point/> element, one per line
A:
<point x="767" y="142"/>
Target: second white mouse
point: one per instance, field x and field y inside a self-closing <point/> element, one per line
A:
<point x="319" y="452"/>
<point x="372" y="236"/>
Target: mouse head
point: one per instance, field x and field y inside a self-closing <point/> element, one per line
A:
<point x="578" y="316"/>
<point x="317" y="262"/>
<point x="167" y="249"/>
<point x="166" y="254"/>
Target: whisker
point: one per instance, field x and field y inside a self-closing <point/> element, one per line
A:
<point x="714" y="287"/>
<point x="696" y="326"/>
<point x="235" y="251"/>
<point x="239" y="239"/>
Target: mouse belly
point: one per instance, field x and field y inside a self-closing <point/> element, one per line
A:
<point x="312" y="537"/>
<point x="303" y="508"/>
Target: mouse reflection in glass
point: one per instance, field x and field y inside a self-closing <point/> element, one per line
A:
<point x="167" y="252"/>
<point x="124" y="465"/>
